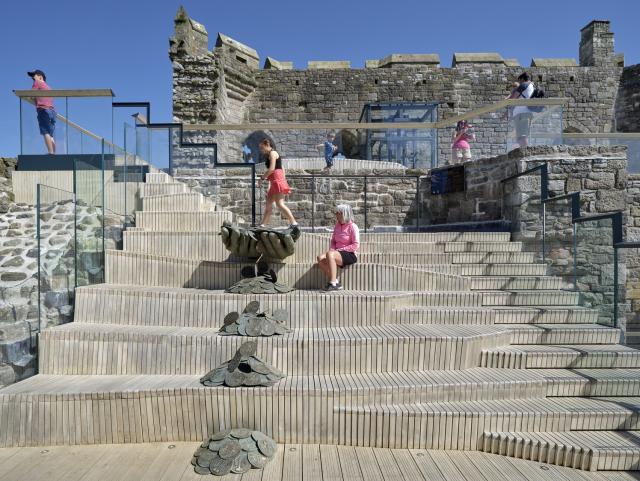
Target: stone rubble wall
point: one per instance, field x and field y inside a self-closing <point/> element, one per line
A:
<point x="632" y="256"/>
<point x="628" y="101"/>
<point x="19" y="303"/>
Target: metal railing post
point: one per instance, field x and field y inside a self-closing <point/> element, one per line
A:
<point x="253" y="193"/>
<point x="313" y="202"/>
<point x="365" y="204"/>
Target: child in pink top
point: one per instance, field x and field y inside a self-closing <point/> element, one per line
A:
<point x="343" y="250"/>
<point x="460" y="148"/>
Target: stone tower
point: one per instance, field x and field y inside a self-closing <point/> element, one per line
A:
<point x="191" y="38"/>
<point x="596" y="44"/>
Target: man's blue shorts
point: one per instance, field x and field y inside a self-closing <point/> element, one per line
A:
<point x="47" y="121"/>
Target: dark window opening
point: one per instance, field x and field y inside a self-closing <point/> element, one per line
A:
<point x="297" y="82"/>
<point x="572" y="79"/>
<point x="376" y="81"/>
<point x="241" y="59"/>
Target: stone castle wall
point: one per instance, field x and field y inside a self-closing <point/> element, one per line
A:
<point x="225" y="86"/>
<point x="628" y="101"/>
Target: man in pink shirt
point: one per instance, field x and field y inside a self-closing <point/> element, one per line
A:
<point x="45" y="109"/>
<point x="343" y="250"/>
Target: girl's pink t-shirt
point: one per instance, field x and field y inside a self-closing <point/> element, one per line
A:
<point x="462" y="142"/>
<point x="346" y="237"/>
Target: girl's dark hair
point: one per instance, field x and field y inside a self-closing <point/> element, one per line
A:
<point x="267" y="142"/>
<point x="524" y="77"/>
<point x="460" y="125"/>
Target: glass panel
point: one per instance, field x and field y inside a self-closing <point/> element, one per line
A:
<point x="56" y="255"/>
<point x="629" y="294"/>
<point x="558" y="242"/>
<point x="485" y="136"/>
<point x="143" y="143"/>
<point x="159" y="148"/>
<point x="35" y="123"/>
<point x="535" y="125"/>
<point x="522" y="208"/>
<point x="595" y="267"/>
<point x="89" y="188"/>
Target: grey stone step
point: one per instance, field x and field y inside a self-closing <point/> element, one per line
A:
<point x="563" y="334"/>
<point x="495" y="315"/>
<point x="590" y="382"/>
<point x="143" y="408"/>
<point x="460" y="425"/>
<point x="134" y="268"/>
<point x="182" y="221"/>
<point x="160" y="306"/>
<point x="561" y="357"/>
<point x="177" y="203"/>
<point x="101" y="349"/>
<point x="586" y="450"/>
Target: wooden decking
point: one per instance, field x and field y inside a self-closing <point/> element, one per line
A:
<point x="294" y="462"/>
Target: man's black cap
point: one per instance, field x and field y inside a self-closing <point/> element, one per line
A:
<point x="37" y="72"/>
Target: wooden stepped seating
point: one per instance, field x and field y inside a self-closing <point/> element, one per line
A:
<point x="561" y="356"/>
<point x="159" y="306"/>
<point x="78" y="348"/>
<point x="533" y="299"/>
<point x="187" y="221"/>
<point x="459" y="425"/>
<point x="168" y="188"/>
<point x="123" y="267"/>
<point x="562" y="334"/>
<point x="130" y="409"/>
<point x="590" y="382"/>
<point x="495" y="315"/>
<point x="177" y="202"/>
<point x="586" y="450"/>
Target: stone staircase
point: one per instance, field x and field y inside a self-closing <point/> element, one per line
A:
<point x="439" y="341"/>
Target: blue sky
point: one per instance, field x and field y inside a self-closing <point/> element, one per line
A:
<point x="122" y="44"/>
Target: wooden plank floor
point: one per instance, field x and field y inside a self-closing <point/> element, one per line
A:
<point x="309" y="462"/>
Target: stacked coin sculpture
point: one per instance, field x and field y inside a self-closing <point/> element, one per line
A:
<point x="263" y="283"/>
<point x="234" y="451"/>
<point x="244" y="369"/>
<point x="253" y="323"/>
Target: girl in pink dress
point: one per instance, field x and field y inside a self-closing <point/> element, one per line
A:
<point x="343" y="250"/>
<point x="278" y="186"/>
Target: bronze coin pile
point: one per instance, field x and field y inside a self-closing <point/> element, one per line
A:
<point x="244" y="369"/>
<point x="233" y="451"/>
<point x="253" y="323"/>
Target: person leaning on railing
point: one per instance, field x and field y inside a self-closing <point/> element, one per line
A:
<point x="522" y="115"/>
<point x="45" y="109"/>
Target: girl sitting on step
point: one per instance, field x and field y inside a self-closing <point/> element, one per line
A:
<point x="343" y="250"/>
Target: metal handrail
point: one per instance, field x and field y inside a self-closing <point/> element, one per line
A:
<point x="445" y="123"/>
<point x="24" y="93"/>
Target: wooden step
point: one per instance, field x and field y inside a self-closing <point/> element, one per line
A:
<point x="538" y="298"/>
<point x="494" y="315"/>
<point x="565" y="357"/>
<point x="589" y="451"/>
<point x="77" y="348"/>
<point x="460" y="425"/>
<point x="512" y="283"/>
<point x="177" y="203"/>
<point x="590" y="382"/>
<point x="159" y="306"/>
<point x="563" y="334"/>
<point x="182" y="221"/>
<point x="148" y="190"/>
<point x="133" y="268"/>
<point x="511" y="270"/>
<point x="158" y="178"/>
<point x="132" y="409"/>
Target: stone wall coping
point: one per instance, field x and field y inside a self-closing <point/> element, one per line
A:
<point x="477" y="57"/>
<point x="229" y="42"/>
<point x="328" y="64"/>
<point x="553" y="62"/>
<point x="410" y="58"/>
<point x="272" y="63"/>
